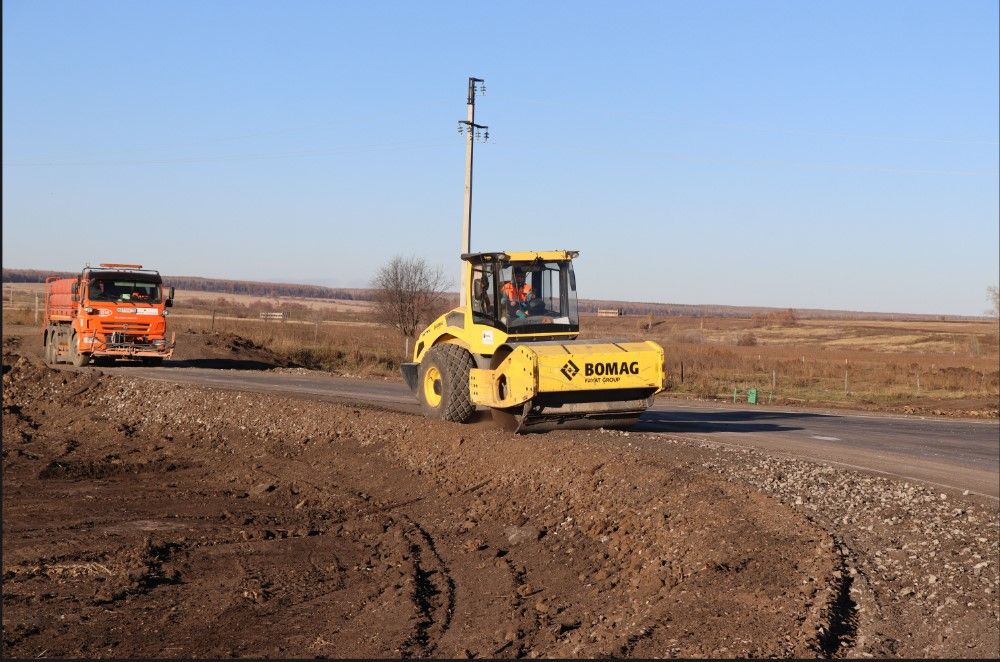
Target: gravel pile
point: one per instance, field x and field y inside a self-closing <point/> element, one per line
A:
<point x="914" y="554"/>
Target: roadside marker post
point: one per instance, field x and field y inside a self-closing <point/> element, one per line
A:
<point x="753" y="395"/>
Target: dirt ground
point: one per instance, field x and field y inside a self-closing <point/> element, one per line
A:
<point x="145" y="519"/>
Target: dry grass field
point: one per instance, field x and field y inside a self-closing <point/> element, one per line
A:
<point x="925" y="367"/>
<point x="910" y="367"/>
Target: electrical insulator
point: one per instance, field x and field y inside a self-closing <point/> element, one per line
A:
<point x="487" y="138"/>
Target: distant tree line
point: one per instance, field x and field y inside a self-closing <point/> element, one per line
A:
<point x="219" y="285"/>
<point x="782" y="316"/>
<point x="769" y="315"/>
<point x="33" y="275"/>
<point x="256" y="288"/>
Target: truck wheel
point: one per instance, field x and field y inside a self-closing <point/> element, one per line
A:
<point x="50" y="349"/>
<point x="443" y="383"/>
<point x="76" y="357"/>
<point x="56" y="340"/>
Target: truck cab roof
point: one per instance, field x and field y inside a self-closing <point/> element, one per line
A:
<point x="143" y="275"/>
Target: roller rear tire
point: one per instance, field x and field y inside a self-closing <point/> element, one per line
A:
<point x="443" y="383"/>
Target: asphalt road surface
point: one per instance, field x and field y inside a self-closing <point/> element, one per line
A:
<point x="955" y="454"/>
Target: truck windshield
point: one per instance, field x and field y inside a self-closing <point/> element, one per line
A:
<point x="101" y="289"/>
<point x="538" y="297"/>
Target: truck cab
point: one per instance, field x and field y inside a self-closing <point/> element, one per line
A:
<point x="107" y="312"/>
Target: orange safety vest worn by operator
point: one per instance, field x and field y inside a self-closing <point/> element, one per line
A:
<point x="514" y="293"/>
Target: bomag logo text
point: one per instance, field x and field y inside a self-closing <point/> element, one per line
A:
<point x="611" y="368"/>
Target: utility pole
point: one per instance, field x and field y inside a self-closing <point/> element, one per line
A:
<point x="473" y="132"/>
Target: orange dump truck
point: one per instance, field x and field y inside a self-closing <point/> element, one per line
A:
<point x="107" y="312"/>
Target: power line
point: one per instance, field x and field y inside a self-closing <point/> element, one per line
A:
<point x="678" y="119"/>
<point x="231" y="157"/>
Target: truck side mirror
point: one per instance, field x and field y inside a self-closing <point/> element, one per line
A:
<point x="169" y="301"/>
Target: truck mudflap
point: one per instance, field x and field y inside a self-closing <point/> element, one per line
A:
<point x="572" y="384"/>
<point x="120" y="346"/>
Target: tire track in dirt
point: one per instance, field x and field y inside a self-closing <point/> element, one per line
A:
<point x="433" y="593"/>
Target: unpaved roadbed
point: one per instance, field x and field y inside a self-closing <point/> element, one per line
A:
<point x="146" y="519"/>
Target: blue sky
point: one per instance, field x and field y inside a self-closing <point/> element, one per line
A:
<point x="806" y="154"/>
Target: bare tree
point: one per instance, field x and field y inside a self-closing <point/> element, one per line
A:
<point x="408" y="293"/>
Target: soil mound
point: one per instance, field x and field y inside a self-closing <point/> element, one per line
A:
<point x="151" y="520"/>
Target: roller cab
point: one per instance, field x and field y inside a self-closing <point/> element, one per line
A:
<point x="512" y="347"/>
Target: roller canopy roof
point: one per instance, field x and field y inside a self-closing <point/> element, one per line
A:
<point x="520" y="256"/>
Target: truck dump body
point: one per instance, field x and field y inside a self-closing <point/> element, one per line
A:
<point x="59" y="299"/>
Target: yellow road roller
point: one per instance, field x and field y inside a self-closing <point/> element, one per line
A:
<point x="512" y="347"/>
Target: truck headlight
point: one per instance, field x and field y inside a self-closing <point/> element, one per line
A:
<point x="160" y="342"/>
<point x="88" y="310"/>
<point x="88" y="340"/>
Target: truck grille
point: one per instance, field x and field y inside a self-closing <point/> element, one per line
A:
<point x="132" y="328"/>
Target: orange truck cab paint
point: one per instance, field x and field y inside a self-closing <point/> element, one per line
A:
<point x="107" y="312"/>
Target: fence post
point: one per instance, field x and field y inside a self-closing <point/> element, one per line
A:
<point x="406" y="347"/>
<point x="213" y="320"/>
<point x="774" y="377"/>
<point x="316" y="331"/>
<point x="682" y="372"/>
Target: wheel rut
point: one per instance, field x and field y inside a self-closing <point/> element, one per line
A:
<point x="433" y="594"/>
